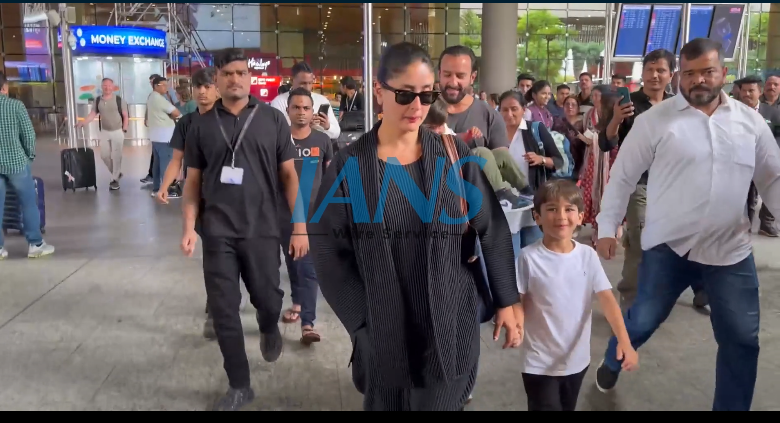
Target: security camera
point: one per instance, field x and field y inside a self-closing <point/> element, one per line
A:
<point x="71" y="40"/>
<point x="54" y="18"/>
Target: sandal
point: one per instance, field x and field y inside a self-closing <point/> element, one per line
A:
<point x="291" y="315"/>
<point x="309" y="336"/>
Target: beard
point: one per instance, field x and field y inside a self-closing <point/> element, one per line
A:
<point x="456" y="98"/>
<point x="701" y="95"/>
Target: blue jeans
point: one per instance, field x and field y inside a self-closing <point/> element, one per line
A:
<point x="24" y="186"/>
<point x="162" y="154"/>
<point x="733" y="294"/>
<point x="304" y="287"/>
<point x="530" y="235"/>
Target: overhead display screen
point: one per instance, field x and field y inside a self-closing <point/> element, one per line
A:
<point x="701" y="18"/>
<point x="664" y="27"/>
<point x="726" y="23"/>
<point x="632" y="30"/>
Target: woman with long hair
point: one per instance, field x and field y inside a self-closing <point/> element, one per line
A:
<point x="571" y="126"/>
<point x="399" y="271"/>
<point x="537" y="98"/>
<point x="595" y="173"/>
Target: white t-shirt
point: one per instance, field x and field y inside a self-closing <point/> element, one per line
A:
<point x="517" y="148"/>
<point x="557" y="294"/>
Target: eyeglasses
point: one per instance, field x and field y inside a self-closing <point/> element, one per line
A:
<point x="406" y="97"/>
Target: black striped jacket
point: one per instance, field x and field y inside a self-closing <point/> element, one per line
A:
<point x="357" y="275"/>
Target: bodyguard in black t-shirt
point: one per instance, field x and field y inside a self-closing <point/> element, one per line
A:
<point x="237" y="154"/>
<point x="313" y="153"/>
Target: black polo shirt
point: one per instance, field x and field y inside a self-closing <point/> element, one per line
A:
<point x="641" y="104"/>
<point x="248" y="210"/>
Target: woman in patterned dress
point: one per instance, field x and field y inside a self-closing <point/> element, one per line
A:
<point x="595" y="173"/>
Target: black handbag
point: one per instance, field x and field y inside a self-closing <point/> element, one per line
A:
<point x="471" y="251"/>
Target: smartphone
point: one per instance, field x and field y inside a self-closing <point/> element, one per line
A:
<point x="623" y="91"/>
<point x="323" y="109"/>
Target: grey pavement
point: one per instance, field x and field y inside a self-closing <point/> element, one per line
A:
<point x="113" y="321"/>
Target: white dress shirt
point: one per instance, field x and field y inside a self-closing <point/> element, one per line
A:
<point x="280" y="103"/>
<point x="700" y="172"/>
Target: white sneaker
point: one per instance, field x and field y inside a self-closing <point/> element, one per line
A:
<point x="40" y="251"/>
<point x="3" y="253"/>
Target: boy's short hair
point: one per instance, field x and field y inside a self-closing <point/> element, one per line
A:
<point x="558" y="189"/>
<point x="437" y="114"/>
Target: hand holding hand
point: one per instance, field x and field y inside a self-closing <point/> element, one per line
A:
<point x="505" y="318"/>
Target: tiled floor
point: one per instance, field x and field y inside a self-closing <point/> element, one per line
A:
<point x="113" y="322"/>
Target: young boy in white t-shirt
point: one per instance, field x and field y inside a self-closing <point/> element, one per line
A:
<point x="557" y="278"/>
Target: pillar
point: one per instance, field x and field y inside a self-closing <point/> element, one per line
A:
<point x="498" y="66"/>
<point x="773" y="40"/>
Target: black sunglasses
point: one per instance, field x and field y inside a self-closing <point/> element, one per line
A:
<point x="406" y="97"/>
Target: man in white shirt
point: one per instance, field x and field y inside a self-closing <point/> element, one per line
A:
<point x="702" y="149"/>
<point x="160" y="119"/>
<point x="303" y="77"/>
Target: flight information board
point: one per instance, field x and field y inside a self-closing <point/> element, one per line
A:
<point x="701" y="19"/>
<point x="664" y="27"/>
<point x="726" y="24"/>
<point x="632" y="30"/>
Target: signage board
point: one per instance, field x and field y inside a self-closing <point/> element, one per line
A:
<point x="118" y="41"/>
<point x="265" y="88"/>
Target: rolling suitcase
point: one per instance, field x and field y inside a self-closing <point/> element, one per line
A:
<point x="12" y="213"/>
<point x="78" y="167"/>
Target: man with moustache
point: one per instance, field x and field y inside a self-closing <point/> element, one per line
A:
<point x="478" y="125"/>
<point x="586" y="88"/>
<point x="657" y="69"/>
<point x="702" y="149"/>
<point x="750" y="94"/>
<point x="771" y="95"/>
<point x="239" y="156"/>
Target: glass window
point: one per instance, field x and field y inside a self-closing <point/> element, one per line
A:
<point x="135" y="80"/>
<point x="291" y="44"/>
<point x="211" y="17"/>
<point x="348" y="19"/>
<point x="28" y="68"/>
<point x="342" y="44"/>
<point x="298" y="18"/>
<point x="32" y="94"/>
<point x="216" y="40"/>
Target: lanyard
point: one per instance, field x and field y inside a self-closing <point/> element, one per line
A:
<point x="240" y="134"/>
<point x="354" y="97"/>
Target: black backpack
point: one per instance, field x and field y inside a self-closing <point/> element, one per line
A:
<point x="353" y="121"/>
<point x="118" y="107"/>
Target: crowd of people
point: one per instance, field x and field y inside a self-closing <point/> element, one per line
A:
<point x="405" y="231"/>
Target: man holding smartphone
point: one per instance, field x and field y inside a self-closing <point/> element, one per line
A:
<point x="657" y="70"/>
<point x="324" y="121"/>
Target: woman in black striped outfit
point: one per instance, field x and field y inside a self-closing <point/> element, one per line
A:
<point x="394" y="267"/>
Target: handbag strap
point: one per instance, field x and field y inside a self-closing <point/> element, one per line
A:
<point x="452" y="154"/>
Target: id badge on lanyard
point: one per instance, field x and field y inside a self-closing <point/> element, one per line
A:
<point x="232" y="175"/>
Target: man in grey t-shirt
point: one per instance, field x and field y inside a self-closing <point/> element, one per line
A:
<point x="476" y="124"/>
<point x="113" y="125"/>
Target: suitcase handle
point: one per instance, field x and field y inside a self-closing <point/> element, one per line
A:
<point x="84" y="137"/>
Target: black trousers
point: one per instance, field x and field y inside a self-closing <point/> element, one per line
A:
<point x="151" y="165"/>
<point x="553" y="393"/>
<point x="256" y="261"/>
<point x="764" y="215"/>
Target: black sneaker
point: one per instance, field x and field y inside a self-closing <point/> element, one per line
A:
<point x="271" y="345"/>
<point x="507" y="195"/>
<point x="208" y="329"/>
<point x="768" y="231"/>
<point x="148" y="179"/>
<point x="606" y="379"/>
<point x="701" y="299"/>
<point x="173" y="193"/>
<point x="235" y="400"/>
<point x="113" y="186"/>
